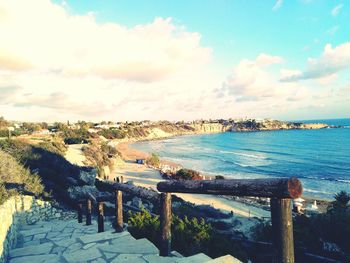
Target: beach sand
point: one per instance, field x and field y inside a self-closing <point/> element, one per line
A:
<point x="75" y="154"/>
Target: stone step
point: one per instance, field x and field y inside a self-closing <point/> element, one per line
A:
<point x="225" y="259"/>
<point x="198" y="258"/>
<point x="69" y="241"/>
<point x="55" y="230"/>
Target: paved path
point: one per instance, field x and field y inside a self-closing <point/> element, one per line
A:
<point x="69" y="241"/>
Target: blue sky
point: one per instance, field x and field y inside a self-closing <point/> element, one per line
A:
<point x="238" y="29"/>
<point x="148" y="59"/>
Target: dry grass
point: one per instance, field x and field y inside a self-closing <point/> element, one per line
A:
<point x="13" y="172"/>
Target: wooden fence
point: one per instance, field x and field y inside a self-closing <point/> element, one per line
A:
<point x="280" y="190"/>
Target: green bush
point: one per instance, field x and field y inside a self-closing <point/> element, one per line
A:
<point x="153" y="160"/>
<point x="54" y="146"/>
<point x="189" y="236"/>
<point x="49" y="165"/>
<point x="12" y="172"/>
<point x="187" y="174"/>
<point x="112" y="133"/>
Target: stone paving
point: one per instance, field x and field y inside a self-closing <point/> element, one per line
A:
<point x="69" y="241"/>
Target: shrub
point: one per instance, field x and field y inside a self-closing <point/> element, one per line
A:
<point x="153" y="160"/>
<point x="12" y="172"/>
<point x="187" y="174"/>
<point x="98" y="156"/>
<point x="112" y="133"/>
<point x="50" y="166"/>
<point x="54" y="146"/>
<point x="189" y="236"/>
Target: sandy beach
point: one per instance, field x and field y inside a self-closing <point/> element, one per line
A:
<point x="144" y="176"/>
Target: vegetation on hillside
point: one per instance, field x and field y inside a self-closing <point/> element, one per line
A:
<point x="189" y="236"/>
<point x="45" y="160"/>
<point x="99" y="155"/>
<point x="13" y="172"/>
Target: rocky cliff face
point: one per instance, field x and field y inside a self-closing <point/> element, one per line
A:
<point x="169" y="130"/>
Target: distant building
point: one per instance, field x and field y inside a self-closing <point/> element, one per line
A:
<point x="42" y="132"/>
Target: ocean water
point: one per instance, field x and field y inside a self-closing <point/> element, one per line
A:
<point x="320" y="158"/>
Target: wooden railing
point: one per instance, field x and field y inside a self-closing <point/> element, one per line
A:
<point x="280" y="190"/>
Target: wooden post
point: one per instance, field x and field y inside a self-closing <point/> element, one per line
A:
<point x="88" y="211"/>
<point x="165" y="224"/>
<point x="80" y="212"/>
<point x="100" y="218"/>
<point x="119" y="211"/>
<point x="282" y="228"/>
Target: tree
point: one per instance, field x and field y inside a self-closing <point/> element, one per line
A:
<point x="341" y="202"/>
<point x="3" y="123"/>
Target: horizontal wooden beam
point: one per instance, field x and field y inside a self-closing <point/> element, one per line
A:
<point x="268" y="187"/>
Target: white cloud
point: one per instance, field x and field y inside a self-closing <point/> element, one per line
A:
<point x="331" y="61"/>
<point x="250" y="81"/>
<point x="277" y="5"/>
<point x="48" y="37"/>
<point x="336" y="10"/>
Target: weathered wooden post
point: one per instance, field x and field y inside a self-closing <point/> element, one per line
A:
<point x="80" y="212"/>
<point x="88" y="211"/>
<point x="282" y="228"/>
<point x="100" y="218"/>
<point x="165" y="224"/>
<point x="119" y="211"/>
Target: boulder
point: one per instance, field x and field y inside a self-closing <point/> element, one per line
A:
<point x="88" y="175"/>
<point x="79" y="192"/>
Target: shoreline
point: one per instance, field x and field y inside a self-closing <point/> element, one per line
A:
<point x="145" y="176"/>
<point x="130" y="154"/>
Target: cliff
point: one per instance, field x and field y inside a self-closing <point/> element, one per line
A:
<point x="270" y="125"/>
<point x="162" y="130"/>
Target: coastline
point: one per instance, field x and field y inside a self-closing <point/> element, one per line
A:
<point x="145" y="176"/>
<point x="241" y="206"/>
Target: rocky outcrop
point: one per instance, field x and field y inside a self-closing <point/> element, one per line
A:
<point x="161" y="131"/>
<point x="88" y="175"/>
<point x="80" y="192"/>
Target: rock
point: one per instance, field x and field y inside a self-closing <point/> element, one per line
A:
<point x="88" y="175"/>
<point x="78" y="192"/>
<point x="72" y="181"/>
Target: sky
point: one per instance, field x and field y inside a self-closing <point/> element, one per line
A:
<point x="174" y="60"/>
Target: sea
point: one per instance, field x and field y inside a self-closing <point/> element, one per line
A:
<point x="319" y="158"/>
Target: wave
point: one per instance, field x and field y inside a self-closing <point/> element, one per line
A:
<point x="243" y="154"/>
<point x="316" y="191"/>
<point x="343" y="181"/>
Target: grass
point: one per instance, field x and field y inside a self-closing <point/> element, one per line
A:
<point x="13" y="172"/>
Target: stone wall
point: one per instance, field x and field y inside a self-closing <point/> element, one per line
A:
<point x="24" y="210"/>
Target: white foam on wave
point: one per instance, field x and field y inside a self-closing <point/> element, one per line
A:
<point x="343" y="181"/>
<point x="244" y="154"/>
<point x="316" y="191"/>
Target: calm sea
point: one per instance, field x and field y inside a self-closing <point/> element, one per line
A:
<point x="320" y="158"/>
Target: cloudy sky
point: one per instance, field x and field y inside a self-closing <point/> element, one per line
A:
<point x="177" y="60"/>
